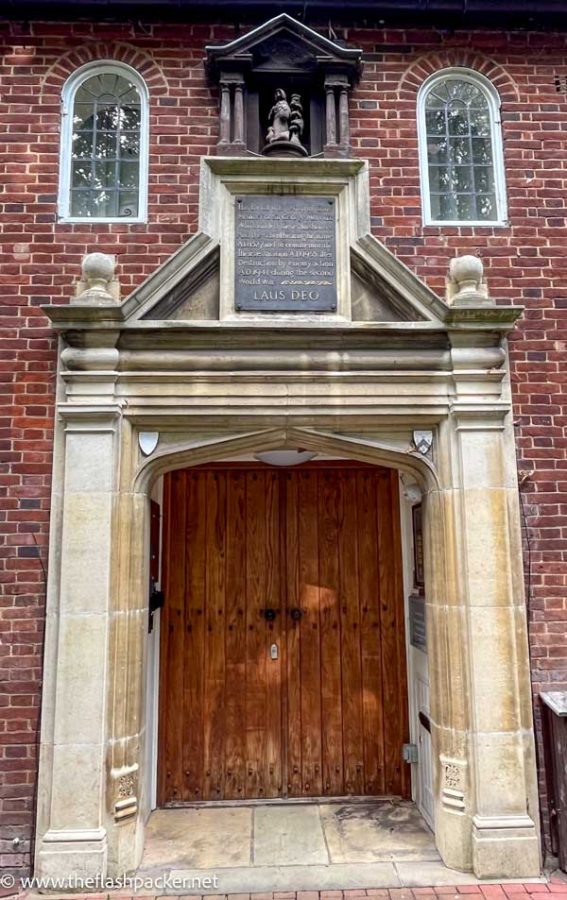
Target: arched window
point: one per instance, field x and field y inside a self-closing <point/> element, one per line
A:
<point x="104" y="149"/>
<point x="461" y="159"/>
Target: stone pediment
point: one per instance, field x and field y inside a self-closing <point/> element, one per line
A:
<point x="283" y="45"/>
<point x="194" y="292"/>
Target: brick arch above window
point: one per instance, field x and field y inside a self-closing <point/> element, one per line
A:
<point x="137" y="59"/>
<point x="429" y="64"/>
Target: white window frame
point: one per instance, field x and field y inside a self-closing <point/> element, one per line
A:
<point x="70" y="89"/>
<point x="462" y="74"/>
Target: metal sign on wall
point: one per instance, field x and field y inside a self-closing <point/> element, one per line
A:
<point x="285" y="253"/>
<point x="417" y="622"/>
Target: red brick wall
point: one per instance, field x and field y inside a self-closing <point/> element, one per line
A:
<point x="40" y="261"/>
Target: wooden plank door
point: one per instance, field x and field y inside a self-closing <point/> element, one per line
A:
<point x="346" y="665"/>
<point x="326" y="717"/>
<point x="221" y="692"/>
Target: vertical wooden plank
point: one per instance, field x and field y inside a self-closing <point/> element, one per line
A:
<point x="255" y="635"/>
<point x="353" y="737"/>
<point x="293" y="641"/>
<point x="175" y="626"/>
<point x="311" y="749"/>
<point x="235" y="690"/>
<point x="273" y="636"/>
<point x="195" y="637"/>
<point x="370" y="637"/>
<point x="162" y="764"/>
<point x="389" y="644"/>
<point x="331" y="695"/>
<point x="215" y="619"/>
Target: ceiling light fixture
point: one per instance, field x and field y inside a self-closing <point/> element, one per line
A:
<point x="285" y="457"/>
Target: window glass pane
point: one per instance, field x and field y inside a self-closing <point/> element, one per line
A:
<point x="82" y="145"/>
<point x="105" y="147"/>
<point x="438" y="150"/>
<point x="458" y="119"/>
<point x="106" y="117"/>
<point x="459" y="152"/>
<point x="487" y="206"/>
<point x="438" y="178"/>
<point x="128" y="175"/>
<point x="484" y="179"/>
<point x="435" y="121"/>
<point x="105" y="174"/>
<point x="130" y="118"/>
<point x="482" y="150"/>
<point x="480" y="122"/>
<point x="81" y="174"/>
<point x="128" y="203"/>
<point x="466" y="207"/>
<point x="83" y="116"/>
<point x="82" y="203"/>
<point x="447" y="207"/>
<point x="462" y="179"/>
<point x="129" y="144"/>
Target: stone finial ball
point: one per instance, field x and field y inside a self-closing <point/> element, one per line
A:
<point x="466" y="268"/>
<point x="98" y="267"/>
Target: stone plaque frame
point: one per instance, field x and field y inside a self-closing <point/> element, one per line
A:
<point x="224" y="182"/>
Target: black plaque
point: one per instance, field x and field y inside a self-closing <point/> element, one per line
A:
<point x="285" y="254"/>
<point x="418" y="575"/>
<point x="417" y="622"/>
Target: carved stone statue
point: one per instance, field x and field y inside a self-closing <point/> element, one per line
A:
<point x="296" y="123"/>
<point x="279" y="118"/>
<point x="286" y="125"/>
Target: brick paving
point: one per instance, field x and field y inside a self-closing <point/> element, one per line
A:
<point x="556" y="884"/>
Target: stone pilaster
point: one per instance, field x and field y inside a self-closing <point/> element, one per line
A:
<point x="504" y="835"/>
<point x="71" y="817"/>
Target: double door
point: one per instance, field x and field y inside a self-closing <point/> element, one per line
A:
<point x="282" y="637"/>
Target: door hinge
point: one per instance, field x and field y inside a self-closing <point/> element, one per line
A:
<point x="156" y="602"/>
<point x="409" y="753"/>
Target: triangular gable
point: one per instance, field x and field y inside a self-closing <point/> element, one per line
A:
<point x="260" y="47"/>
<point x="186" y="287"/>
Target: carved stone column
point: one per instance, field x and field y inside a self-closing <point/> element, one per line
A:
<point x="330" y="120"/>
<point x="232" y="118"/>
<point x="337" y="144"/>
<point x="238" y="114"/>
<point x="344" y="124"/>
<point x="225" y="115"/>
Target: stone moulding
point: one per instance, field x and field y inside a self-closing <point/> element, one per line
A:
<point x="218" y="385"/>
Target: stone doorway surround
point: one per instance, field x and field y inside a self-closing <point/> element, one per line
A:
<point x="399" y="378"/>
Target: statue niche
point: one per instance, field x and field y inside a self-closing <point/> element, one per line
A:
<point x="284" y="91"/>
<point x="285" y="127"/>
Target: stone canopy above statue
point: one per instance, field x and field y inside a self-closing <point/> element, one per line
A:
<point x="284" y="91"/>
